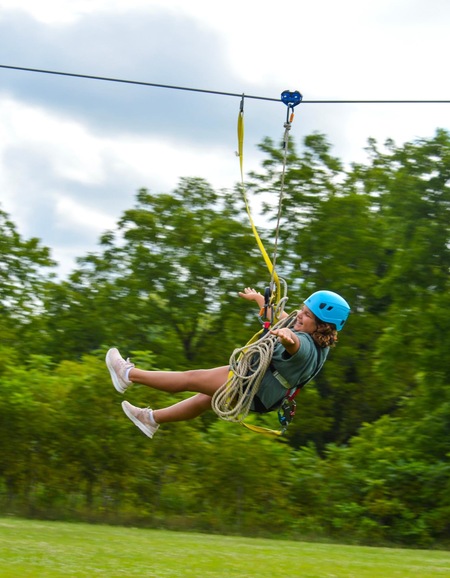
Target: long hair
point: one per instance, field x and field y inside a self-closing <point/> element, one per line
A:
<point x="325" y="335"/>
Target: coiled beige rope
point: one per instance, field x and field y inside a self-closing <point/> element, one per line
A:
<point x="248" y="364"/>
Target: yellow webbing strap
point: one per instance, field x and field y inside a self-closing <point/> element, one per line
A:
<point x="262" y="430"/>
<point x="268" y="262"/>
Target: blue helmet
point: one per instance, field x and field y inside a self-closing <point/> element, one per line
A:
<point x="329" y="307"/>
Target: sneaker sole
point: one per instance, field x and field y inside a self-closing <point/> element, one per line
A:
<point x="114" y="377"/>
<point x="144" y="429"/>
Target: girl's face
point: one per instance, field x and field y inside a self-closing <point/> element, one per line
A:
<point x="305" y="321"/>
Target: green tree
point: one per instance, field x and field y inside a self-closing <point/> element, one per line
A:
<point x="24" y="273"/>
<point x="378" y="234"/>
<point x="330" y="240"/>
<point x="28" y="405"/>
<point x="414" y="205"/>
<point x="167" y="280"/>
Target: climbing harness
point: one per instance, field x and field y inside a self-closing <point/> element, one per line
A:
<point x="248" y="364"/>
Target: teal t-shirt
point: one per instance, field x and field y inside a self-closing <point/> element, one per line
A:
<point x="295" y="369"/>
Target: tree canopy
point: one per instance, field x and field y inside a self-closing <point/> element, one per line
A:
<point x="367" y="456"/>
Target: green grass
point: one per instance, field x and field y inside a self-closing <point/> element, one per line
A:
<point x="55" y="549"/>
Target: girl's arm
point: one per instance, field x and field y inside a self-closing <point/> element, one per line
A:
<point x="252" y="295"/>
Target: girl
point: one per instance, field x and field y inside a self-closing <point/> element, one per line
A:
<point x="298" y="356"/>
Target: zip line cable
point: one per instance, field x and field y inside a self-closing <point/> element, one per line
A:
<point x="216" y="92"/>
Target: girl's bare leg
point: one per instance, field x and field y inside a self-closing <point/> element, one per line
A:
<point x="183" y="410"/>
<point x="206" y="381"/>
<point x="203" y="382"/>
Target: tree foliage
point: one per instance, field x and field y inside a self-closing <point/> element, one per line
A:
<point x="166" y="280"/>
<point x="367" y="456"/>
<point x="24" y="266"/>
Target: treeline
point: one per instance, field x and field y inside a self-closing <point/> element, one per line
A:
<point x="367" y="457"/>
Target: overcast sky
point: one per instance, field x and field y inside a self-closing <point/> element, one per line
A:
<point x="74" y="152"/>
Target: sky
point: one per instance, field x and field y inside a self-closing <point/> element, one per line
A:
<point x="74" y="152"/>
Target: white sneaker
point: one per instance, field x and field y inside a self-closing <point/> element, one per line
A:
<point x="140" y="418"/>
<point x="118" y="366"/>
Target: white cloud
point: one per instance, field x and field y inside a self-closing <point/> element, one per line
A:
<point x="77" y="216"/>
<point x="74" y="152"/>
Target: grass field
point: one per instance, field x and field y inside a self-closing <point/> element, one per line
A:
<point x="55" y="549"/>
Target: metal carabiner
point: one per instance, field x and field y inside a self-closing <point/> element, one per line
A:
<point x="291" y="99"/>
<point x="286" y="412"/>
